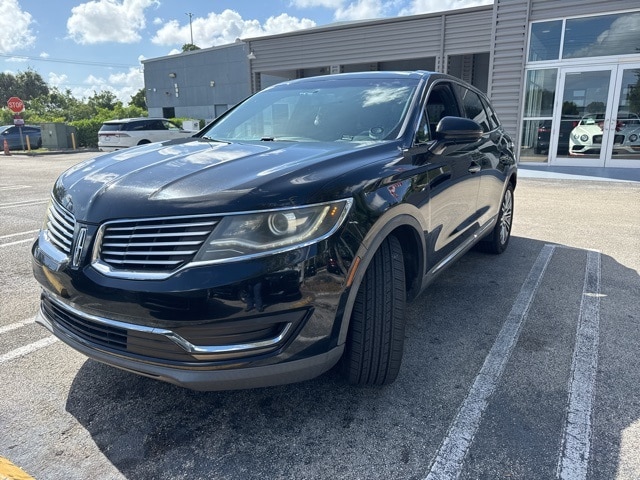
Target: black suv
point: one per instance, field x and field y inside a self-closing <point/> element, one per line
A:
<point x="284" y="239"/>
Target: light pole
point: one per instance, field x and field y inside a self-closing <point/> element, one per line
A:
<point x="190" y="26"/>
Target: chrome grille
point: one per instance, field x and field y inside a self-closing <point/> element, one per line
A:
<point x="60" y="227"/>
<point x="160" y="244"/>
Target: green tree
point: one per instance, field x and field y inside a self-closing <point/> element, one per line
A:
<point x="30" y="85"/>
<point x="104" y="99"/>
<point x="188" y="47"/>
<point x="7" y="87"/>
<point x="139" y="99"/>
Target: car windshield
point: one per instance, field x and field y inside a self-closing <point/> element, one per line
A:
<point x="323" y="110"/>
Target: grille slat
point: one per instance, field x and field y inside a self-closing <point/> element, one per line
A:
<point x="60" y="227"/>
<point x="129" y="245"/>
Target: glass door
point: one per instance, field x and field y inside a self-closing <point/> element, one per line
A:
<point x="624" y="141"/>
<point x="581" y="130"/>
<point x="596" y="119"/>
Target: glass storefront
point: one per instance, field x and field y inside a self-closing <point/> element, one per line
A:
<point x="582" y="92"/>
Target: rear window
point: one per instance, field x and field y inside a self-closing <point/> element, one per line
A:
<point x="111" y="127"/>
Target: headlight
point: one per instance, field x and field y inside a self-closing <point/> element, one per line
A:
<point x="633" y="137"/>
<point x="256" y="234"/>
<point x="584" y="137"/>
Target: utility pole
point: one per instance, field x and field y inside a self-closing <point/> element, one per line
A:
<point x="190" y="25"/>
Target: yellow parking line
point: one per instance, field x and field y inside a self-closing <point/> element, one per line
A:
<point x="8" y="471"/>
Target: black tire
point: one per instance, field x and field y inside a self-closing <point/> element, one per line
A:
<point x="144" y="142"/>
<point x="375" y="341"/>
<point x="498" y="240"/>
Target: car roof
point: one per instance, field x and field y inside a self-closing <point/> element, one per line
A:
<point x="128" y="120"/>
<point x="416" y="74"/>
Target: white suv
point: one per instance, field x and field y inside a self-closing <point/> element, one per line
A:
<point x="129" y="132"/>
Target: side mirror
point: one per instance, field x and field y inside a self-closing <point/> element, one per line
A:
<point x="458" y="129"/>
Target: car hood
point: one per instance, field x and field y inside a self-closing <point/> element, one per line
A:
<point x="185" y="177"/>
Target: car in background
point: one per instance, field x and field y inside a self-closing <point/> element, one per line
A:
<point x="543" y="139"/>
<point x="129" y="132"/>
<point x="16" y="136"/>
<point x="586" y="137"/>
<point x="284" y="238"/>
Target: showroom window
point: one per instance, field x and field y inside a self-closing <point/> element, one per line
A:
<point x="602" y="35"/>
<point x="540" y="94"/>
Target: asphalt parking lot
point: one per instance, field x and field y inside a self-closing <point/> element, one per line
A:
<point x="518" y="366"/>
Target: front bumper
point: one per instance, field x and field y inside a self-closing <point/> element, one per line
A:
<point x="200" y="329"/>
<point x="200" y="377"/>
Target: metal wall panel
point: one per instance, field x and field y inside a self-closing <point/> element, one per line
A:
<point x="463" y="31"/>
<point x="468" y="32"/>
<point x="357" y="43"/>
<point x="554" y="9"/>
<point x="510" y="25"/>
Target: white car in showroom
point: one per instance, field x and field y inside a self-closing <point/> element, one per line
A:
<point x="586" y="137"/>
<point x="129" y="132"/>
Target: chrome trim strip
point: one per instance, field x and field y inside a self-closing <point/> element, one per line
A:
<point x="201" y="352"/>
<point x="470" y="241"/>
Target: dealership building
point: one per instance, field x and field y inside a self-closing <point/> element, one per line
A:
<point x="564" y="76"/>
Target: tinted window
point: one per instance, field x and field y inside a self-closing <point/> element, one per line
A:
<point x="602" y="35"/>
<point x="545" y="41"/>
<point x="441" y="103"/>
<point x="112" y="127"/>
<point x="473" y="108"/>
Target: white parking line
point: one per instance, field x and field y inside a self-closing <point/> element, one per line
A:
<point x="14" y="326"/>
<point x="13" y="187"/>
<point x="17" y="242"/>
<point x="28" y="232"/>
<point x="24" y="204"/>
<point x="449" y="460"/>
<point x="576" y="441"/>
<point x="27" y="349"/>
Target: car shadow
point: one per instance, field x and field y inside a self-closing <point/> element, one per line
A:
<point x="324" y="428"/>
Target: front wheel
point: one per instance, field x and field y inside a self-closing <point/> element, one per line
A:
<point x="498" y="239"/>
<point x="375" y="341"/>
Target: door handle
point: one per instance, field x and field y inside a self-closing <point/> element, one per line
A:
<point x="474" y="168"/>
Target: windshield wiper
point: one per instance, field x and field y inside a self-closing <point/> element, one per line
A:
<point x="210" y="139"/>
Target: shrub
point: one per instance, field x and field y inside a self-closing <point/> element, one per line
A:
<point x="87" y="132"/>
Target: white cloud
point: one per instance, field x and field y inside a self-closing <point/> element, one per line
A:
<point x="361" y="10"/>
<point x="44" y="55"/>
<point x="15" y="27"/>
<point x="102" y="21"/>
<point x="224" y="28"/>
<point x="428" y="6"/>
<point x="58" y="81"/>
<point x="123" y="85"/>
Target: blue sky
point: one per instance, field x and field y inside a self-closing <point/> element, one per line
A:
<point x="90" y="46"/>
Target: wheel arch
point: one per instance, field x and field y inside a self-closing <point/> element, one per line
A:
<point x="402" y="222"/>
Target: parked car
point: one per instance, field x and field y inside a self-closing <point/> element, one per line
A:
<point x="16" y="136"/>
<point x="543" y="140"/>
<point x="285" y="238"/>
<point x="129" y="132"/>
<point x="586" y="137"/>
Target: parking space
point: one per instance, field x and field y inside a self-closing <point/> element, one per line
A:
<point x="518" y="366"/>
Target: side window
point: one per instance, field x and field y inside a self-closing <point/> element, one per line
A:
<point x="493" y="117"/>
<point x="441" y="102"/>
<point x="473" y="108"/>
<point x="169" y="126"/>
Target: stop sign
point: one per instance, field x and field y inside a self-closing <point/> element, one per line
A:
<point x="15" y="105"/>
